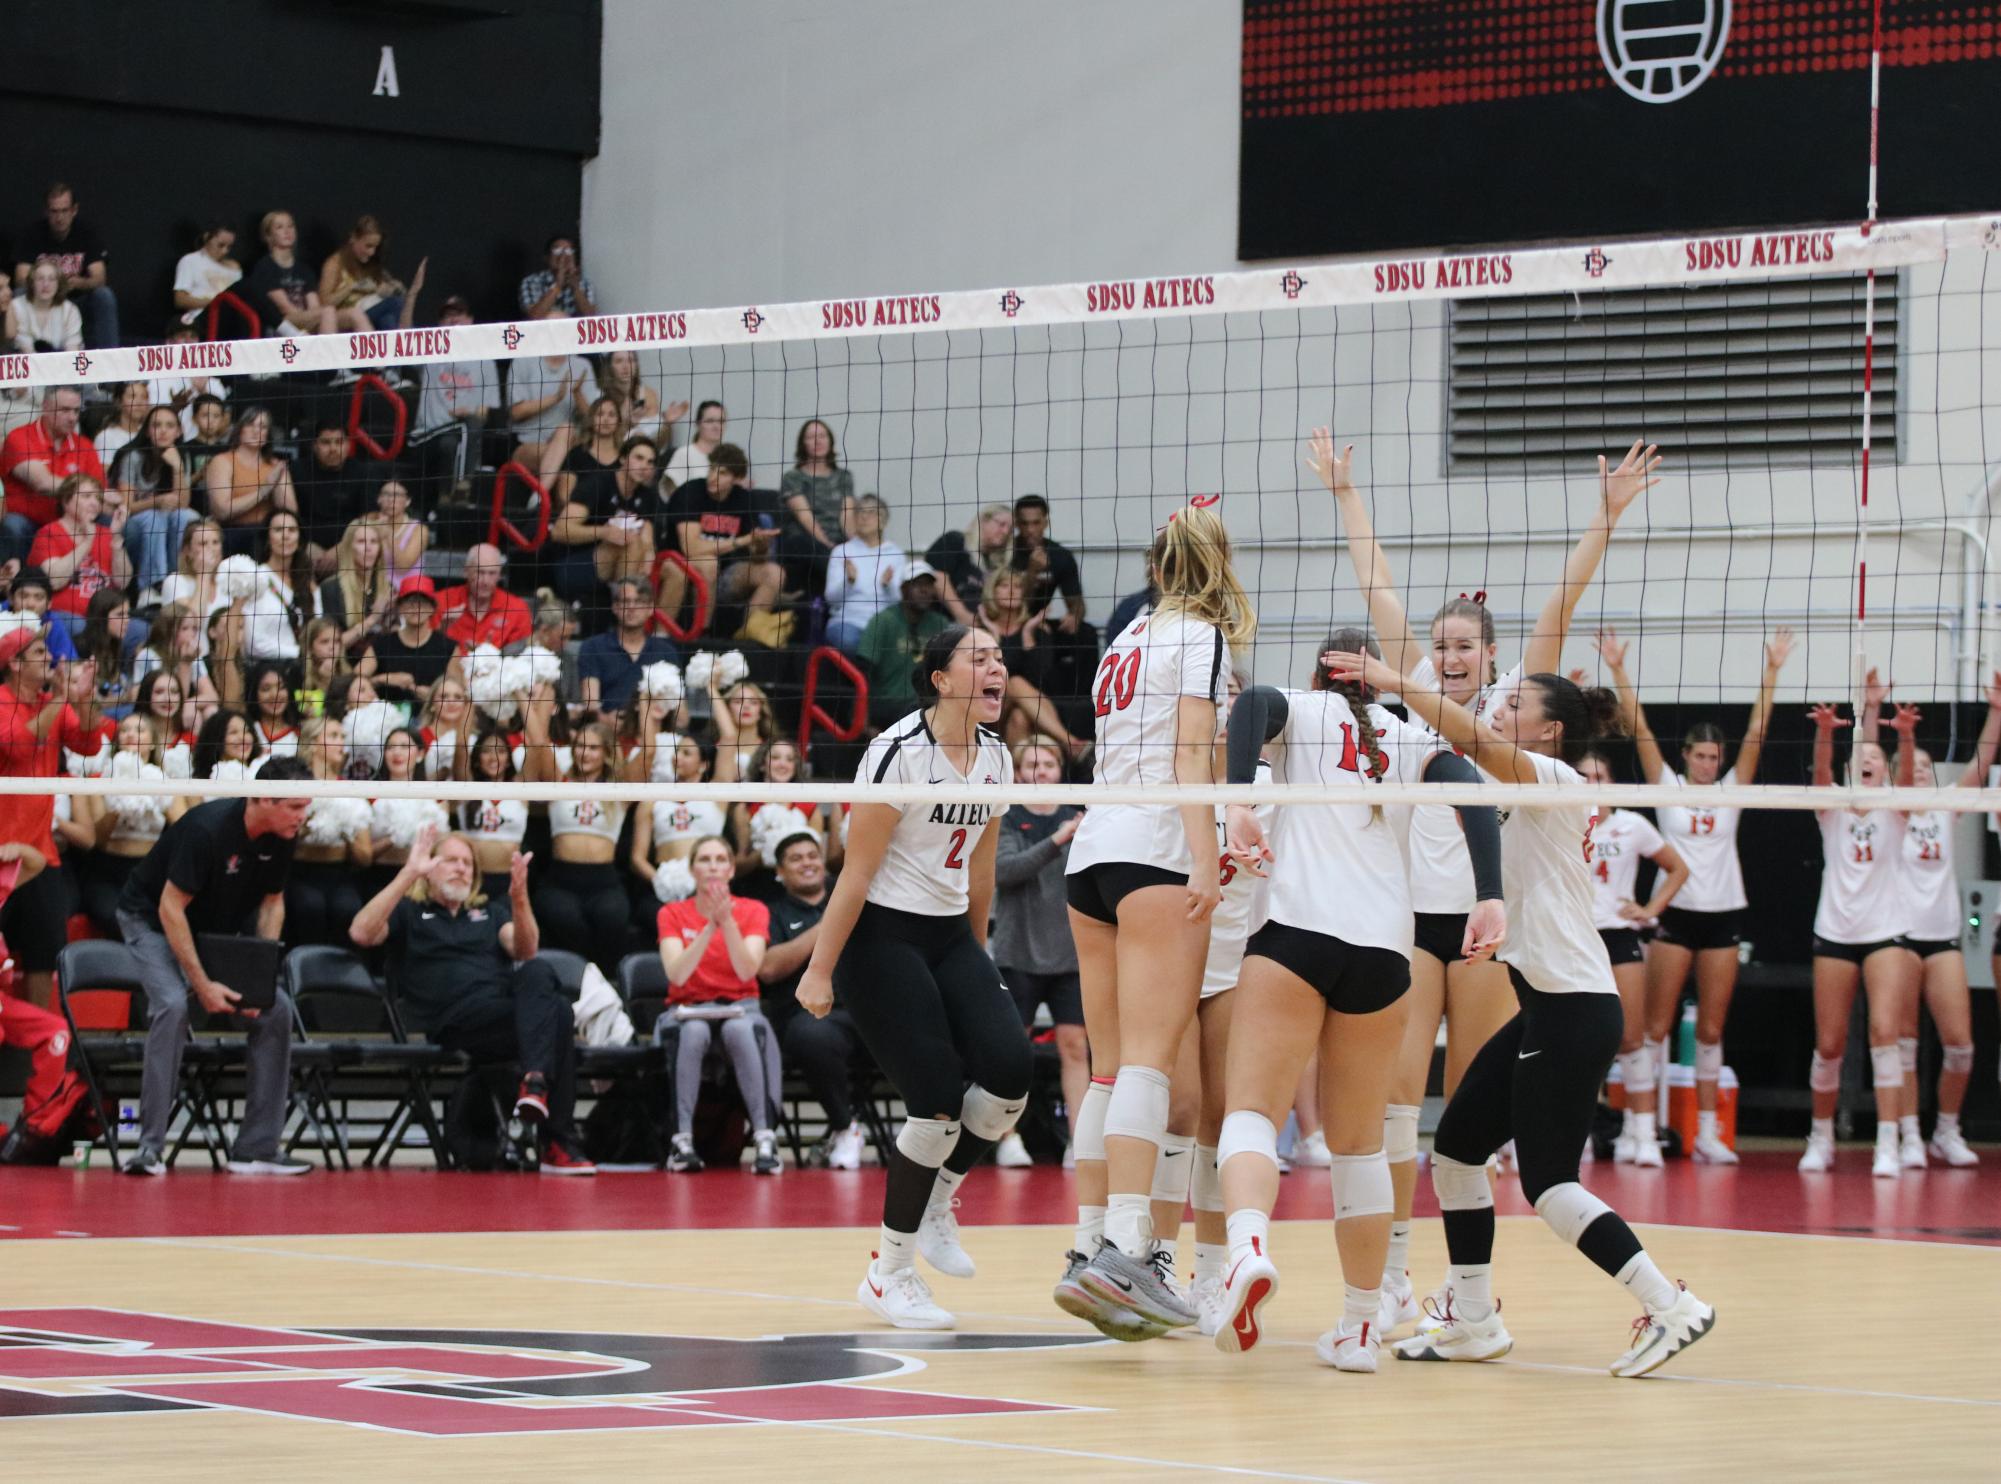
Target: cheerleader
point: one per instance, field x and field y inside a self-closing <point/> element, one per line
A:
<point x="581" y="902"/>
<point x="323" y="895"/>
<point x="776" y="761"/>
<point x="394" y="824"/>
<point x="274" y="712"/>
<point x="1705" y="925"/>
<point x="1471" y="996"/>
<point x="903" y="942"/>
<point x="1537" y="1080"/>
<point x="124" y="827"/>
<point x="1858" y="934"/>
<point x="496" y="827"/>
<point x="1619" y="841"/>
<point x="1936" y="920"/>
<point x="1142" y="884"/>
<point x="1328" y="972"/>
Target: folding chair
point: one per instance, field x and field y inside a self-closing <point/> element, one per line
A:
<point x="643" y="985"/>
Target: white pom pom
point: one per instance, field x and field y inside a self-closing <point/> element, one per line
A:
<point x="238" y="577"/>
<point x="482" y="659"/>
<point x="540" y="667"/>
<point x="662" y="681"/>
<point x="733" y="669"/>
<point x="230" y="768"/>
<point x="673" y="882"/>
<point x="178" y="761"/>
<point x="402" y="819"/>
<point x="774" y="823"/>
<point x="368" y="727"/>
<point x="665" y="745"/>
<point x="125" y="765"/>
<point x="701" y="669"/>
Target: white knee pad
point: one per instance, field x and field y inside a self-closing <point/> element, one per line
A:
<point x="1888" y="1065"/>
<point x="1138" y="1109"/>
<point x="1205" y="1189"/>
<point x="1636" y="1069"/>
<point x="1569" y="1209"/>
<point x="1826" y="1073"/>
<point x="1087" y="1134"/>
<point x="1958" y="1059"/>
<point x="1245" y="1132"/>
<point x="988" y="1116"/>
<point x="1173" y="1169"/>
<point x="1400" y="1133"/>
<point x="927" y="1141"/>
<point x="1708" y="1061"/>
<point x="1907" y="1053"/>
<point x="1362" y="1185"/>
<point x="1459" y="1187"/>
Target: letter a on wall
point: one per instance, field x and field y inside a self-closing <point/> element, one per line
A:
<point x="385" y="75"/>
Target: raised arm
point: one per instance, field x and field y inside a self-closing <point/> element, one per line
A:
<point x="1869" y="720"/>
<point x="1653" y="767"/>
<point x="1387" y="617"/>
<point x="1617" y="490"/>
<point x="1990" y="738"/>
<point x="1826" y="722"/>
<point x="1777" y="651"/>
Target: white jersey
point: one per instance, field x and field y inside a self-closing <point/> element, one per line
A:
<point x="1339" y="869"/>
<point x="1707" y="842"/>
<point x="1861" y="898"/>
<point x="1154" y="662"/>
<point x="1618" y="841"/>
<point x="592" y="817"/>
<point x="1931" y="885"/>
<point x="1245" y="901"/>
<point x="675" y="822"/>
<point x="1441" y="874"/>
<point x="1547" y="882"/>
<point x="925" y="869"/>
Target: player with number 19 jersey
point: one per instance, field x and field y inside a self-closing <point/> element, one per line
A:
<point x="924" y="868"/>
<point x="1154" y="662"/>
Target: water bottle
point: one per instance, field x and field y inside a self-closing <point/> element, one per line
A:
<point x="1684" y="1041"/>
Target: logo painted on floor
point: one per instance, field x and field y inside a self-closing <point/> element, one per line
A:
<point x="473" y="1383"/>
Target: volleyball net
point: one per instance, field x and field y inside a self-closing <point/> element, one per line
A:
<point x="1478" y="389"/>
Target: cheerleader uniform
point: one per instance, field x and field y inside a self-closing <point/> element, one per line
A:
<point x="396" y="823"/>
<point x="583" y="907"/>
<point x="1708" y="911"/>
<point x="1441" y="875"/>
<point x="323" y="897"/>
<point x="1617" y="843"/>
<point x="279" y="742"/>
<point x="138" y="819"/>
<point x="1120" y="848"/>
<point x="502" y="821"/>
<point x="1863" y="905"/>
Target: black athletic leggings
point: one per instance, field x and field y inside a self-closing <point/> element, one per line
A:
<point x="321" y="899"/>
<point x="583" y="909"/>
<point x="1535" y="1082"/>
<point x="931" y="1009"/>
<point x="824" y="1050"/>
<point x="103" y="879"/>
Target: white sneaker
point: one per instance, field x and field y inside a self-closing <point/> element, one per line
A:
<point x="844" y="1152"/>
<point x="938" y="1239"/>
<point x="1205" y="1296"/>
<point x="1455" y="1337"/>
<point x="1711" y="1150"/>
<point x="902" y="1299"/>
<point x="1012" y="1154"/>
<point x="1886" y="1165"/>
<point x="1656" y="1337"/>
<point x="1311" y="1152"/>
<point x="1819" y="1156"/>
<point x="1911" y="1152"/>
<point x="1346" y="1350"/>
<point x="1432" y="1308"/>
<point x="1248" y="1288"/>
<point x="1647" y="1154"/>
<point x="1949" y="1147"/>
<point x="1399" y="1305"/>
<point x="1622" y="1150"/>
<point x="1069" y="1156"/>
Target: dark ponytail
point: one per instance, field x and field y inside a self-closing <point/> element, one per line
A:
<point x="1586" y="715"/>
<point x="1358" y="697"/>
<point x="937" y="656"/>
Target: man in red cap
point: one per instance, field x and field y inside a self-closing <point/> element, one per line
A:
<point x="44" y="708"/>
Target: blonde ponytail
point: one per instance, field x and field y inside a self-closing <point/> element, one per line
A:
<point x="1190" y="561"/>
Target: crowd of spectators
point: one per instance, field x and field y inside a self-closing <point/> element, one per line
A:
<point x="221" y="572"/>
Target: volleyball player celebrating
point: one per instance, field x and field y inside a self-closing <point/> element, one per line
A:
<point x="1328" y="971"/>
<point x="1858" y="934"/>
<point x="904" y="942"/>
<point x="1471" y="995"/>
<point x="1537" y="1080"/>
<point x="1705" y="924"/>
<point x="1143" y="882"/>
<point x="1619" y="842"/>
<point x="1931" y="881"/>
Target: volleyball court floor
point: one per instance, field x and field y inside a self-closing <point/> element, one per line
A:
<point x="406" y="1324"/>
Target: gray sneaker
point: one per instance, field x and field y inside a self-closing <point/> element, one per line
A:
<point x="281" y="1164"/>
<point x="145" y="1162"/>
<point x="1142" y="1286"/>
<point x="1113" y="1321"/>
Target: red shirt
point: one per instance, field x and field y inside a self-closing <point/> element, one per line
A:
<point x="31" y="443"/>
<point x="21" y="756"/>
<point x="714" y="977"/>
<point x="507" y="620"/>
<point x="92" y="573"/>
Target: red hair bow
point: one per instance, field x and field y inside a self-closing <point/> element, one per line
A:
<point x="1203" y="502"/>
<point x="1479" y="597"/>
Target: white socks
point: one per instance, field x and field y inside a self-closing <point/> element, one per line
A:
<point x="1948" y="1123"/>
<point x="1247" y="1227"/>
<point x="1399" y="1255"/>
<point x="1908" y="1125"/>
<point x="947" y="1185"/>
<point x="1705" y="1125"/>
<point x="1129" y="1224"/>
<point x="1648" y="1284"/>
<point x="1823" y="1128"/>
<point x="1360" y="1306"/>
<point x="1090" y="1229"/>
<point x="1209" y="1260"/>
<point x="895" y="1250"/>
<point x="1472" y="1287"/>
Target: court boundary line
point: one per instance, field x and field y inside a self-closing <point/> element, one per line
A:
<point x="1737" y="1383"/>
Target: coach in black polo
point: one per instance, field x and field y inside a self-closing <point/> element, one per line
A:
<point x="465" y="966"/>
<point x="219" y="868"/>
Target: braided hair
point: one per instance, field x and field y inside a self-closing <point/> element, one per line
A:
<point x="1368" y="746"/>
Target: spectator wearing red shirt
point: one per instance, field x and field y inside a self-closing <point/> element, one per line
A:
<point x="712" y="945"/>
<point x="36" y="458"/>
<point x="44" y="707"/>
<point x="81" y="557"/>
<point x="481" y="611"/>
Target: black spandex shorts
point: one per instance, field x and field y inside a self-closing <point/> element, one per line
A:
<point x="1696" y="931"/>
<point x="1931" y="947"/>
<point x="1854" y="953"/>
<point x="1442" y="935"/>
<point x="1350" y="978"/>
<point x="1096" y="891"/>
<point x="1062" y="993"/>
<point x="1623" y="945"/>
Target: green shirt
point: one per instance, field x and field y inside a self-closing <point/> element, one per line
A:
<point x="891" y="646"/>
